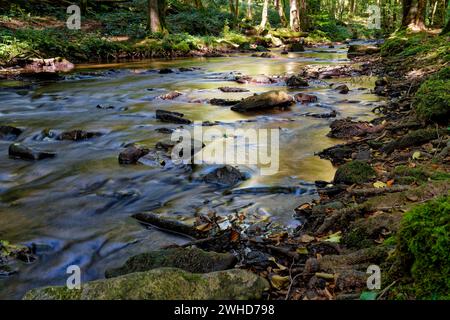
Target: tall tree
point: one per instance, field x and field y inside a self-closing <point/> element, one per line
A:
<point x="294" y="16"/>
<point x="265" y="10"/>
<point x="156" y="13"/>
<point x="280" y="8"/>
<point x="414" y="14"/>
<point x="249" y="10"/>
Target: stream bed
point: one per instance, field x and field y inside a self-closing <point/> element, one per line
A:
<point x="76" y="208"/>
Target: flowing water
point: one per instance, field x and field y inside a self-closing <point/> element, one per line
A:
<point x="75" y="208"/>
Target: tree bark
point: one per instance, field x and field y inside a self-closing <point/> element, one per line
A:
<point x="414" y="14"/>
<point x="294" y="17"/>
<point x="156" y="11"/>
<point x="264" y="15"/>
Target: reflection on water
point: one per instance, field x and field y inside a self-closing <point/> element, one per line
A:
<point x="75" y="208"/>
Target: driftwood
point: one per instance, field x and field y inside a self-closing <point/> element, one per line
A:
<point x="169" y="225"/>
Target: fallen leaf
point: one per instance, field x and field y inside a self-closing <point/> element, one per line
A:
<point x="335" y="237"/>
<point x="379" y="184"/>
<point x="389" y="183"/>
<point x="302" y="250"/>
<point x="280" y="266"/>
<point x="204" y="227"/>
<point x="416" y="155"/>
<point x="306" y="238"/>
<point x="279" y="282"/>
<point x="234" y="237"/>
<point x="327" y="276"/>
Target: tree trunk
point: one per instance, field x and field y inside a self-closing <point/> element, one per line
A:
<point x="280" y="8"/>
<point x="249" y="10"/>
<point x="262" y="26"/>
<point x="156" y="11"/>
<point x="198" y="4"/>
<point x="414" y="14"/>
<point x="294" y="17"/>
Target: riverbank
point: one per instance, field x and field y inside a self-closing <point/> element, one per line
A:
<point x="119" y="34"/>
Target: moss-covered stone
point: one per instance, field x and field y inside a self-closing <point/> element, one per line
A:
<point x="423" y="248"/>
<point x="354" y="172"/>
<point x="191" y="260"/>
<point x="432" y="100"/>
<point x="163" y="284"/>
<point x="419" y="174"/>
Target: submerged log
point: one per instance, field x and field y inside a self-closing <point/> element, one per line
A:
<point x="170" y="225"/>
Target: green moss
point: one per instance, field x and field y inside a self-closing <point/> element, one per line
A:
<point x="423" y="247"/>
<point x="432" y="100"/>
<point x="354" y="172"/>
<point x="419" y="174"/>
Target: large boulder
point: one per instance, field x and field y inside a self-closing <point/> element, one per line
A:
<point x="265" y="100"/>
<point x="163" y="284"/>
<point x="191" y="260"/>
<point x="52" y="65"/>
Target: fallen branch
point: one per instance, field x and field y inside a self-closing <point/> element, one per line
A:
<point x="169" y="225"/>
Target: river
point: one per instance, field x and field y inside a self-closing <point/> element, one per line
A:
<point x="75" y="208"/>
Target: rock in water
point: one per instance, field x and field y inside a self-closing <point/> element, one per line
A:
<point x="163" y="284"/>
<point x="361" y="50"/>
<point x="9" y="132"/>
<point x="342" y="89"/>
<point x="296" y="47"/>
<point x="296" y="82"/>
<point x="132" y="154"/>
<point x="52" y="65"/>
<point x="78" y="135"/>
<point x="227" y="175"/>
<point x="19" y="151"/>
<point x="265" y="100"/>
<point x="173" y="117"/>
<point x="192" y="260"/>
<point x="171" y="95"/>
<point x="223" y="102"/>
<point x="305" y="98"/>
<point x="232" y="89"/>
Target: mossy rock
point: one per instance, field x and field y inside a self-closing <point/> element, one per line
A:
<point x="423" y="248"/>
<point x="354" y="172"/>
<point x="432" y="100"/>
<point x="363" y="232"/>
<point x="163" y="284"/>
<point x="419" y="174"/>
<point x="192" y="260"/>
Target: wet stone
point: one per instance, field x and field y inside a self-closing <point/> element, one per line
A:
<point x="226" y="175"/>
<point x="132" y="154"/>
<point x="20" y="151"/>
<point x="9" y="132"/>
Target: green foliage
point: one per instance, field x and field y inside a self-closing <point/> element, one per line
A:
<point x="432" y="100"/>
<point x="199" y="22"/>
<point x="423" y="242"/>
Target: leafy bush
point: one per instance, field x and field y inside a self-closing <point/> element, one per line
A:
<point x="198" y="22"/>
<point x="423" y="243"/>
